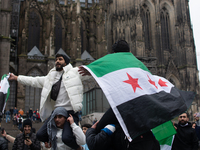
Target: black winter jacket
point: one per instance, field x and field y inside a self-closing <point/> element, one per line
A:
<point x="185" y="138"/>
<point x="3" y="144"/>
<point x="117" y="141"/>
<point x="19" y="142"/>
<point x="101" y="141"/>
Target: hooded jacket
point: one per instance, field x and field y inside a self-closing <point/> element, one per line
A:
<point x="73" y="84"/>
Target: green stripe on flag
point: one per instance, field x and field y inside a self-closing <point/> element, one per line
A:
<point x="5" y="75"/>
<point x="100" y="67"/>
<point x="167" y="141"/>
<point x="164" y="131"/>
<point x="8" y="93"/>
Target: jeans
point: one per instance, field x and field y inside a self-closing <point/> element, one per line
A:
<point x="7" y="118"/>
<point x="67" y="135"/>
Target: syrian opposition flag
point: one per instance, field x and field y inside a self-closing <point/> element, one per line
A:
<point x="164" y="133"/>
<point x="4" y="92"/>
<point x="140" y="100"/>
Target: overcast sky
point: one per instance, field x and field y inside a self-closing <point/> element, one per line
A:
<point x="195" y="21"/>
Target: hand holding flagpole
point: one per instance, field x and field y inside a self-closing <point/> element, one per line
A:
<point x="12" y="77"/>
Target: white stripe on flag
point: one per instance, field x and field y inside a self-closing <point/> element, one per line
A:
<point x="4" y="85"/>
<point x="167" y="147"/>
<point x="116" y="81"/>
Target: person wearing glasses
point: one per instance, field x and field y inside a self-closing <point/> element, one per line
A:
<point x="185" y="138"/>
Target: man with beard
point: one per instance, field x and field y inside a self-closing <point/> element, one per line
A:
<point x="185" y="138"/>
<point x="27" y="139"/>
<point x="63" y="84"/>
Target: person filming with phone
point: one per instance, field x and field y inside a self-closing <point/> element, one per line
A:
<point x="26" y="140"/>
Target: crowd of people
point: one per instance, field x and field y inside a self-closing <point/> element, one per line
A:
<point x="17" y="116"/>
<point x="61" y="130"/>
<point x="85" y="137"/>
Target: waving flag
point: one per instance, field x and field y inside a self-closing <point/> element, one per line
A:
<point x="140" y="100"/>
<point x="164" y="133"/>
<point x="4" y="92"/>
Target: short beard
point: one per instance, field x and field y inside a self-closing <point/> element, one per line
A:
<point x="60" y="68"/>
<point x="183" y="123"/>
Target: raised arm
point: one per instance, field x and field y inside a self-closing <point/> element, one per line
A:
<point x="28" y="80"/>
<point x="77" y="131"/>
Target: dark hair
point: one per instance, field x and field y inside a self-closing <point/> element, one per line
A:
<point x="120" y="46"/>
<point x="187" y="114"/>
<point x="193" y="123"/>
<point x="67" y="60"/>
<point x="27" y="122"/>
<point x="87" y="125"/>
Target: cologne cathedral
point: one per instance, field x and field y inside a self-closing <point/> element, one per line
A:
<point x="159" y="33"/>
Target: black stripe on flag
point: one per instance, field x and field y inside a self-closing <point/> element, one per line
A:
<point x="2" y="101"/>
<point x="148" y="111"/>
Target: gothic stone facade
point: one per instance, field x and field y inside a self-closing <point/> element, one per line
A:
<point x="5" y="17"/>
<point x="159" y="33"/>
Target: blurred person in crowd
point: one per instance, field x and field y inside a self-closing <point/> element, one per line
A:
<point x="34" y="116"/>
<point x="15" y="111"/>
<point x="85" y="127"/>
<point x="11" y="112"/>
<point x="185" y="138"/>
<point x="27" y="114"/>
<point x="19" y="121"/>
<point x="30" y="113"/>
<point x="38" y="116"/>
<point x="21" y="112"/>
<point x="7" y="116"/>
<point x="26" y="140"/>
<point x="193" y="125"/>
<point x="15" y="117"/>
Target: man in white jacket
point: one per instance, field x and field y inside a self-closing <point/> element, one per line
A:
<point x="61" y="87"/>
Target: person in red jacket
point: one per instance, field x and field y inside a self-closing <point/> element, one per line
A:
<point x="38" y="116"/>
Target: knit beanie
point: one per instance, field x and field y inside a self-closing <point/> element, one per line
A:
<point x="27" y="122"/>
<point x="67" y="60"/>
<point x="120" y="46"/>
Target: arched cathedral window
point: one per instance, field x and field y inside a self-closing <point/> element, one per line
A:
<point x="165" y="29"/>
<point x="58" y="34"/>
<point x="145" y="15"/>
<point x="33" y="31"/>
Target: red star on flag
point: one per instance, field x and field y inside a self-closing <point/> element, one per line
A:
<point x="133" y="82"/>
<point x="152" y="82"/>
<point x="162" y="83"/>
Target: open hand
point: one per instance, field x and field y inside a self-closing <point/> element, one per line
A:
<point x="83" y="71"/>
